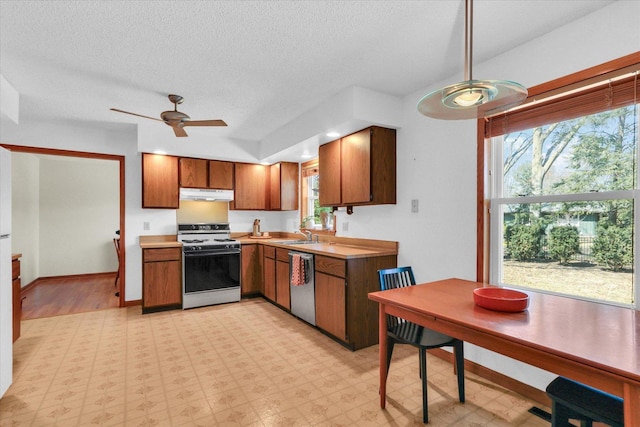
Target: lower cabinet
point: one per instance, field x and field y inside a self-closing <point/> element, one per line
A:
<point x="17" y="297"/>
<point x="275" y="267"/>
<point x="251" y="270"/>
<point x="331" y="310"/>
<point x="161" y="279"/>
<point x="343" y="308"/>
<point x="283" y="288"/>
<point x="269" y="273"/>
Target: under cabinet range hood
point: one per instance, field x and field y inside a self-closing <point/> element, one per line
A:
<point x="206" y="194"/>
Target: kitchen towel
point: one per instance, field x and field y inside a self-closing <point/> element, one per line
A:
<point x="297" y="270"/>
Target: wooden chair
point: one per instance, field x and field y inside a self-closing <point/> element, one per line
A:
<point x="400" y="331"/>
<point x="576" y="401"/>
<point x="116" y="243"/>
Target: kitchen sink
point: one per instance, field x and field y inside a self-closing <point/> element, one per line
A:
<point x="297" y="242"/>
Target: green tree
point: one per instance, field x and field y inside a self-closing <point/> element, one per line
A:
<point x="564" y="242"/>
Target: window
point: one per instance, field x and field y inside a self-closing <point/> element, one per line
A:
<point x="312" y="215"/>
<point x="564" y="191"/>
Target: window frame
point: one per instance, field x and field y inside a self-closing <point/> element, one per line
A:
<point x="565" y="91"/>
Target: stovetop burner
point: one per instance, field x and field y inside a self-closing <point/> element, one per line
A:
<point x="210" y="235"/>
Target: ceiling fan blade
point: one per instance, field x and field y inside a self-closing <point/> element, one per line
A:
<point x="180" y="132"/>
<point x="134" y="114"/>
<point x="205" y="123"/>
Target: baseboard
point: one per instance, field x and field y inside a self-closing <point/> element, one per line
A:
<point x="133" y="303"/>
<point x="521" y="388"/>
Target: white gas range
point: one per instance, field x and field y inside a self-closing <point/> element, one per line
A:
<point x="210" y="265"/>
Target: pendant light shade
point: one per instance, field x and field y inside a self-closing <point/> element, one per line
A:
<point x="471" y="98"/>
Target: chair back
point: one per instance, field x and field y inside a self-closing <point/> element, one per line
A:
<point x="116" y="243"/>
<point x="393" y="278"/>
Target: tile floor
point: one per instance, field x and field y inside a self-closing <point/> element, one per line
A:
<point x="248" y="364"/>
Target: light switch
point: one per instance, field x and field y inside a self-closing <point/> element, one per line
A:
<point x="414" y="206"/>
<point x="345" y="226"/>
<point x="146" y="225"/>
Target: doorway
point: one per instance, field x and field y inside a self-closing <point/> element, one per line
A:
<point x="117" y="287"/>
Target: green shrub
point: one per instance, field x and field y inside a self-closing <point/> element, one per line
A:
<point x="613" y="247"/>
<point x="564" y="242"/>
<point x="524" y="242"/>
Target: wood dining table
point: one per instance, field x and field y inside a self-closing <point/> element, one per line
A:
<point x="593" y="343"/>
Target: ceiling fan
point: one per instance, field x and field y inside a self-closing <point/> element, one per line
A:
<point x="177" y="119"/>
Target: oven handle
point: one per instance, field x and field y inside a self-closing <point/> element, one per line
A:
<point x="208" y="253"/>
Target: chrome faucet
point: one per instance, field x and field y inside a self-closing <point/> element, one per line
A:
<point x="307" y="234"/>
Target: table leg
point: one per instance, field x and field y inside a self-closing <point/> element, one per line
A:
<point x="382" y="339"/>
<point x="631" y="404"/>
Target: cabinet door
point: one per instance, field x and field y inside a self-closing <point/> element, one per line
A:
<point x="355" y="159"/>
<point x="289" y="183"/>
<point x="283" y="291"/>
<point x="269" y="277"/>
<point x="193" y="173"/>
<point x="160" y="187"/>
<point x="274" y="187"/>
<point x="17" y="307"/>
<point x="329" y="169"/>
<point x="162" y="283"/>
<point x="330" y="305"/>
<point x="220" y="175"/>
<point x="250" y="186"/>
<point x="250" y="281"/>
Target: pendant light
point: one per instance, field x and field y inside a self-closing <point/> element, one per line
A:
<point x="471" y="98"/>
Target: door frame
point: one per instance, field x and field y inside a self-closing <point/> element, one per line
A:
<point x="87" y="155"/>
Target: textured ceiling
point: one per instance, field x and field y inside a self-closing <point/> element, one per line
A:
<point x="256" y="64"/>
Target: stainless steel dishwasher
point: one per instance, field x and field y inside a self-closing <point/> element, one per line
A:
<point x="302" y="283"/>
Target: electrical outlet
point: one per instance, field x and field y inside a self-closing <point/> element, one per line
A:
<point x="414" y="206"/>
<point x="146" y="225"/>
<point x="345" y="226"/>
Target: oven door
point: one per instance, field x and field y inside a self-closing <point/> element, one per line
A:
<point x="214" y="270"/>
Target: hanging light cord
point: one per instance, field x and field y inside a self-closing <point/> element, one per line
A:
<point x="468" y="39"/>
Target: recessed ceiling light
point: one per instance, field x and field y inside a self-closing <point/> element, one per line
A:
<point x="333" y="134"/>
<point x="306" y="155"/>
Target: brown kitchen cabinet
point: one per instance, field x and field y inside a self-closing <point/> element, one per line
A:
<point x="269" y="273"/>
<point x="283" y="288"/>
<point x="17" y="296"/>
<point x="331" y="312"/>
<point x="283" y="188"/>
<point x="250" y="187"/>
<point x="221" y="175"/>
<point x="343" y="309"/>
<point x="359" y="169"/>
<point x="194" y="173"/>
<point x="329" y="170"/>
<point x="251" y="270"/>
<point x="202" y="173"/>
<point x="275" y="270"/>
<point x="161" y="279"/>
<point x="160" y="185"/>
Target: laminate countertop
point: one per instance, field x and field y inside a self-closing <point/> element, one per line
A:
<point x="336" y="247"/>
<point x="157" y="242"/>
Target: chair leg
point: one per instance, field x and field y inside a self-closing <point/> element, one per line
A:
<point x="458" y="350"/>
<point x="423" y="375"/>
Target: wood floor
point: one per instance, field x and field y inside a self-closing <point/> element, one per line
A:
<point x="69" y="295"/>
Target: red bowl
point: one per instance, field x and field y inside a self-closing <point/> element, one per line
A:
<point x="501" y="299"/>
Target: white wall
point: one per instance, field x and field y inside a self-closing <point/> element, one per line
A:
<point x="79" y="214"/>
<point x="25" y="197"/>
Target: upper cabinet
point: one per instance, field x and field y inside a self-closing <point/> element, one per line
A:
<point x="220" y="175"/>
<point x="160" y="187"/>
<point x="201" y="173"/>
<point x="283" y="187"/>
<point x="359" y="169"/>
<point x="250" y="187"/>
<point x="194" y="173"/>
<point x="256" y="187"/>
